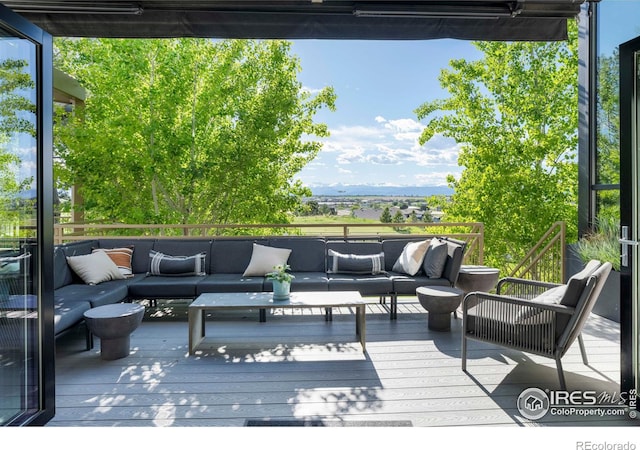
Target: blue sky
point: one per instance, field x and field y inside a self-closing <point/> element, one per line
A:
<point x="374" y="130"/>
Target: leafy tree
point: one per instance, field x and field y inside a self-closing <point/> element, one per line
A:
<point x="413" y="217"/>
<point x="398" y="218"/>
<point x="188" y="130"/>
<point x="514" y="112"/>
<point x="313" y="208"/>
<point x="17" y="117"/>
<point x="385" y="217"/>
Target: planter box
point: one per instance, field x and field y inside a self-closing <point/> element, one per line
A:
<point x="608" y="303"/>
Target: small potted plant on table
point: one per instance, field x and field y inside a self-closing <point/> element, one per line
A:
<point x="281" y="279"/>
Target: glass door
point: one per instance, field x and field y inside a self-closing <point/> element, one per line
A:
<point x="630" y="215"/>
<point x="26" y="350"/>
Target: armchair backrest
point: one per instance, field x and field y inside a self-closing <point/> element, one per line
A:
<point x="584" y="306"/>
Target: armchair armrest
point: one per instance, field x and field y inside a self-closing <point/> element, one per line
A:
<point x="522" y="288"/>
<point x="475" y="298"/>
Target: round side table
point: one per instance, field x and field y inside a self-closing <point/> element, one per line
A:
<point x="440" y="302"/>
<point x="113" y="324"/>
<point x="477" y="278"/>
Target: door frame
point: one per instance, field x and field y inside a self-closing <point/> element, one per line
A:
<point x="629" y="209"/>
<point x="43" y="271"/>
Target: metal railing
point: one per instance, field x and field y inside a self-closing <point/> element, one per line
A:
<point x="546" y="261"/>
<point x="472" y="233"/>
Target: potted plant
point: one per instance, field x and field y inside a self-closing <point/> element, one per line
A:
<point x="602" y="244"/>
<point x="281" y="279"/>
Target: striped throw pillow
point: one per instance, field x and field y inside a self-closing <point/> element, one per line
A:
<point x="121" y="257"/>
<point x="356" y="264"/>
<point x="176" y="266"/>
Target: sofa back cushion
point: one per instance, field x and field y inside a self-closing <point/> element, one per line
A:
<point x="232" y="255"/>
<point x="307" y="254"/>
<point x="141" y="247"/>
<point x="62" y="274"/>
<point x="455" y="253"/>
<point x="79" y="248"/>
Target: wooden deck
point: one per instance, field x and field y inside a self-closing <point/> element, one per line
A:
<point x="296" y="366"/>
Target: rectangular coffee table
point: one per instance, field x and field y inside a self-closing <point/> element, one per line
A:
<point x="264" y="300"/>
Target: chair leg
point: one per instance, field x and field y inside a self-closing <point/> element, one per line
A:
<point x="583" y="351"/>
<point x="464" y="352"/>
<point x="563" y="383"/>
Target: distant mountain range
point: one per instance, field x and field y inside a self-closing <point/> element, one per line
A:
<point x="379" y="191"/>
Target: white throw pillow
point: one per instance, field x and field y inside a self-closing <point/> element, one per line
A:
<point x="264" y="259"/>
<point x="94" y="268"/>
<point x="411" y="258"/>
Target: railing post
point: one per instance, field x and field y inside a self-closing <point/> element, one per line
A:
<point x="563" y="250"/>
<point x="481" y="244"/>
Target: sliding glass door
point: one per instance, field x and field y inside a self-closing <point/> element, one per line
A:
<point x="26" y="335"/>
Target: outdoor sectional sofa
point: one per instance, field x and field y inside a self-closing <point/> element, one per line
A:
<point x="224" y="261"/>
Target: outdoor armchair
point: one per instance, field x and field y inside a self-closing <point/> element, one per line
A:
<point x="534" y="317"/>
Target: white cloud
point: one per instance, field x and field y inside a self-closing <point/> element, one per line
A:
<point x="311" y="90"/>
<point x="386" y="149"/>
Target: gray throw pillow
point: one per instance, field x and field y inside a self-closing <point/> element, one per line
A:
<point x="435" y="259"/>
<point x="577" y="282"/>
<point x="530" y="316"/>
<point x="161" y="264"/>
<point x="356" y="264"/>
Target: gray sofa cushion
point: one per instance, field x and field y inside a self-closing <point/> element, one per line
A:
<point x="304" y="281"/>
<point x="165" y="287"/>
<point x="79" y="247"/>
<point x="365" y="284"/>
<point x="62" y="273"/>
<point x="232" y="255"/>
<point x="307" y="254"/>
<point x="455" y="251"/>
<point x="68" y="313"/>
<point x="229" y="282"/>
<point x="97" y="295"/>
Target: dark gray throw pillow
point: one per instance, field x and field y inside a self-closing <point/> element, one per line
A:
<point x="176" y="266"/>
<point x="435" y="259"/>
<point x="356" y="264"/>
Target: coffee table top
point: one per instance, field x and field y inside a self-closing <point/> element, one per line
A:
<point x="321" y="299"/>
<point x="114" y="310"/>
